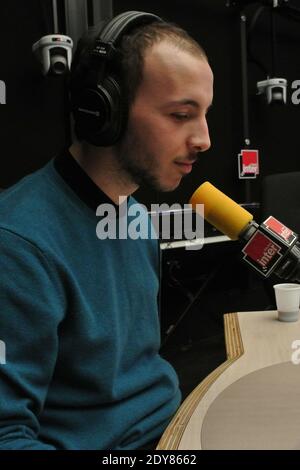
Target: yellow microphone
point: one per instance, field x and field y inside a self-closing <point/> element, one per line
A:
<point x="269" y="247"/>
<point x="221" y="211"/>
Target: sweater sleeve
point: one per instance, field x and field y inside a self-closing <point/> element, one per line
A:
<point x="31" y="308"/>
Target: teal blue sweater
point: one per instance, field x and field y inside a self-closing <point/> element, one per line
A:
<point x="78" y="316"/>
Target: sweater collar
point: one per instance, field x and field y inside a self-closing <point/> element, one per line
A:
<point x="78" y="180"/>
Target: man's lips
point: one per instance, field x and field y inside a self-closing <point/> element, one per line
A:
<point x="186" y="167"/>
<point x="190" y="160"/>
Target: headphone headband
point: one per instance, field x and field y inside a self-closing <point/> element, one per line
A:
<point x="121" y="24"/>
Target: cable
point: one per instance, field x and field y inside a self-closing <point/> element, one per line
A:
<point x="273" y="43"/>
<point x="46" y="17"/>
<point x="55" y="16"/>
<point x="255" y="18"/>
<point x="251" y="56"/>
<point x="173" y="327"/>
<point x="293" y="15"/>
<point x="174" y="264"/>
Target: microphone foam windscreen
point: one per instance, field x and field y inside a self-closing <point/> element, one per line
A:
<point x="221" y="211"/>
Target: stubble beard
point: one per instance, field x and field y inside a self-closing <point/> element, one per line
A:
<point x="137" y="164"/>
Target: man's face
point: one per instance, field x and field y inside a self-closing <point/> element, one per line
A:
<point x="167" y="125"/>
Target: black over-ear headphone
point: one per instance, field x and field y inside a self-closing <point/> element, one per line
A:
<point x="98" y="102"/>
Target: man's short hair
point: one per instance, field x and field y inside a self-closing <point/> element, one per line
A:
<point x="135" y="45"/>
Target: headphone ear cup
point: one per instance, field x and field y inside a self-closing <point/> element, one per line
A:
<point x="100" y="114"/>
<point x="98" y="103"/>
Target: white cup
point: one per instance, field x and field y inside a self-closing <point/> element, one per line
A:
<point x="287" y="301"/>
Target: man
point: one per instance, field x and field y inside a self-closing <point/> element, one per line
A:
<point x="79" y="313"/>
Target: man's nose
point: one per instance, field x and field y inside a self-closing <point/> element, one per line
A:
<point x="199" y="140"/>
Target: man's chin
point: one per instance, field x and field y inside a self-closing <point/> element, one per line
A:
<point x="167" y="188"/>
<point x="159" y="184"/>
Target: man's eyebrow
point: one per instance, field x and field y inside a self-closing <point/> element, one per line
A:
<point x="189" y="102"/>
<point x="184" y="101"/>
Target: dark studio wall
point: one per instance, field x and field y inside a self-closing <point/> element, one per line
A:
<point x="34" y="124"/>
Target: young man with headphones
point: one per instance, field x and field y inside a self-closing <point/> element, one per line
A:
<point x="78" y="314"/>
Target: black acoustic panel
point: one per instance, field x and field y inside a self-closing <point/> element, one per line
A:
<point x="33" y="122"/>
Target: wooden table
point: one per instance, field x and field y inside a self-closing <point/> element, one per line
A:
<point x="251" y="401"/>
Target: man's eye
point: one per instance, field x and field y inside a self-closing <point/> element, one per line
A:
<point x="180" y="116"/>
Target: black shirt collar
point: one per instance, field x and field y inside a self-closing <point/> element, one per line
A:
<point x="85" y="188"/>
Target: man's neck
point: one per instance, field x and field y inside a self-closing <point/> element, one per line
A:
<point x="102" y="166"/>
